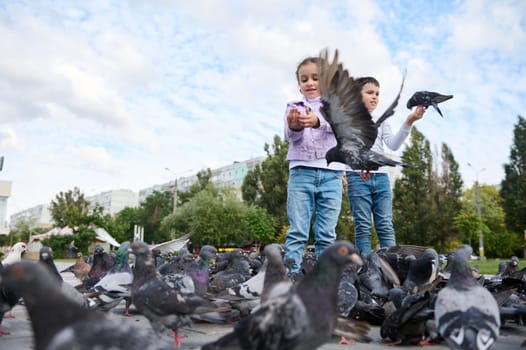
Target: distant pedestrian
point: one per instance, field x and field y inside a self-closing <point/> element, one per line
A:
<point x="72" y="249"/>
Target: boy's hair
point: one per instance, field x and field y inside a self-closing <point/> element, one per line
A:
<point x="305" y="61"/>
<point x="365" y="80"/>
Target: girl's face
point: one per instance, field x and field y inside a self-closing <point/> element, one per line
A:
<point x="308" y="80"/>
<point x="370" y="93"/>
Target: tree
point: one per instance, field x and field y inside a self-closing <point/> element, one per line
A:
<point x="412" y="202"/>
<point x="513" y="187"/>
<point x="152" y="211"/>
<point x="220" y="219"/>
<point x="70" y="209"/>
<point x="447" y="191"/>
<point x="497" y="241"/>
<point x="266" y="185"/>
<point x="203" y="182"/>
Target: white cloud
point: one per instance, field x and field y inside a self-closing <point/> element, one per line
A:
<point x="104" y="95"/>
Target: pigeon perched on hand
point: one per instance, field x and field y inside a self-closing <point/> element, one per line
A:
<point x="59" y="323"/>
<point x="303" y="317"/>
<point x="466" y="313"/>
<point x="351" y="122"/>
<point x="426" y="99"/>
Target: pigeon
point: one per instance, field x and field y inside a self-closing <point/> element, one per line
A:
<point x="236" y="271"/>
<point x="349" y="119"/>
<point x="408" y="324"/>
<point x="116" y="283"/>
<point x="198" y="269"/>
<point x="511" y="267"/>
<point x="303" y="317"/>
<point x="426" y="99"/>
<point x="59" y="323"/>
<point x="466" y="313"/>
<point x="422" y="271"/>
<point x="102" y="263"/>
<point x="164" y="307"/>
<point x="80" y="269"/>
<point x="45" y="257"/>
<point x="15" y="253"/>
<point x="8" y="299"/>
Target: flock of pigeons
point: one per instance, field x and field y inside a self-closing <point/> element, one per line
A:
<point x="408" y="291"/>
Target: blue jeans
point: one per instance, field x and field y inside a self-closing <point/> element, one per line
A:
<point x="313" y="194"/>
<point x="371" y="198"/>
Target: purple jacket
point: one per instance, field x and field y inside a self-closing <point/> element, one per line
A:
<point x="309" y="143"/>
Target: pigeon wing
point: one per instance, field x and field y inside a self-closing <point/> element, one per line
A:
<point x="343" y="107"/>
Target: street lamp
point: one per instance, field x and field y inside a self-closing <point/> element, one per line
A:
<point x="477" y="202"/>
<point x="176" y="175"/>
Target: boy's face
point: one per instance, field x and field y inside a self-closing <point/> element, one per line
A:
<point x="370" y="93"/>
<point x="308" y="80"/>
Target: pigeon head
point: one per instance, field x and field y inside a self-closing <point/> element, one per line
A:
<point x="45" y="254"/>
<point x="207" y="252"/>
<point x="19" y="248"/>
<point x="22" y="275"/>
<point x="98" y="250"/>
<point x="341" y="253"/>
<point x="142" y="252"/>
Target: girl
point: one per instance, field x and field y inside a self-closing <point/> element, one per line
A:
<point x="314" y="192"/>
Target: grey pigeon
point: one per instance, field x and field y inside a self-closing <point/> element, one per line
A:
<point x="45" y="257"/>
<point x="426" y="99"/>
<point x="422" y="271"/>
<point x="59" y="323"/>
<point x="466" y="314"/>
<point x="8" y="299"/>
<point x="115" y="285"/>
<point x="165" y="307"/>
<point x="408" y="324"/>
<point x="349" y="119"/>
<point x="303" y="317"/>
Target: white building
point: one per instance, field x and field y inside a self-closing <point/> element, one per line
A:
<point x="231" y="175"/>
<point x="115" y="200"/>
<point x="5" y="192"/>
<point x="37" y="216"/>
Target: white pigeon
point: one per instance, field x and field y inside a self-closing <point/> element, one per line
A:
<point x="15" y="253"/>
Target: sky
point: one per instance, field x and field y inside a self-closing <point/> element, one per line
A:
<point x="104" y="95"/>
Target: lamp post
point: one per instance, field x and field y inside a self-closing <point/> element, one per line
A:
<point x="477" y="203"/>
<point x="176" y="175"/>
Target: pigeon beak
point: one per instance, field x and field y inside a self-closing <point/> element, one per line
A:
<point x="357" y="259"/>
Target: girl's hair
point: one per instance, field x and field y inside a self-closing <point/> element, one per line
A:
<point x="365" y="80"/>
<point x="307" y="60"/>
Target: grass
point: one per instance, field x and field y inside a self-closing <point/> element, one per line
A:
<point x="491" y="266"/>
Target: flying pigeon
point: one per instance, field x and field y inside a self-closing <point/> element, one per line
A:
<point x="426" y="99"/>
<point x="349" y="119"/>
<point x="59" y="323"/>
<point x="303" y="317"/>
<point x="466" y="313"/>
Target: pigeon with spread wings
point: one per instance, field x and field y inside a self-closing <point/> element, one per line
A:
<point x="350" y="120"/>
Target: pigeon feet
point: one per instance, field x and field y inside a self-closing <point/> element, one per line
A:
<point x="345" y="341"/>
<point x="2" y="332"/>
<point x="177" y="339"/>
